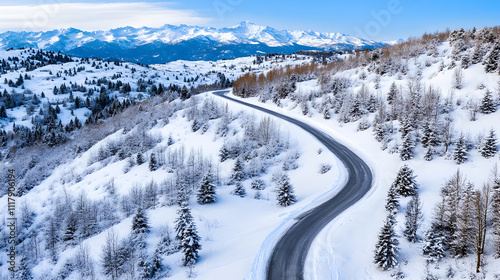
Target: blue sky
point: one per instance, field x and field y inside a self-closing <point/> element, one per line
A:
<point x="377" y="20"/>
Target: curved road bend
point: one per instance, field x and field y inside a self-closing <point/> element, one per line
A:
<point x="289" y="255"/>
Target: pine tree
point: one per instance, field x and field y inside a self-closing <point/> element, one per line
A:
<point x="258" y="184"/>
<point x="152" y="162"/>
<point x="144" y="268"/>
<point x="386" y="249"/>
<point x="139" y="159"/>
<point x="3" y="112"/>
<point x="184" y="217"/>
<point x="460" y="153"/>
<point x="379" y="132"/>
<point x="238" y="174"/>
<point x="285" y="193"/>
<point x="489" y="147"/>
<point x="183" y="191"/>
<point x="405" y="183"/>
<point x="406" y="149"/>
<point x="156" y="267"/>
<point x="433" y="245"/>
<point x="487" y="104"/>
<point x="392" y="200"/>
<point x="140" y="223"/>
<point x="71" y="228"/>
<point x="239" y="190"/>
<point x="406" y="127"/>
<point x="393" y="91"/>
<point x="190" y="244"/>
<point x="429" y="154"/>
<point x="187" y="235"/>
<point x="184" y="93"/>
<point x="223" y="153"/>
<point x="492" y="59"/>
<point x="166" y="246"/>
<point x="413" y="218"/>
<point x="206" y="192"/>
<point x="429" y="137"/>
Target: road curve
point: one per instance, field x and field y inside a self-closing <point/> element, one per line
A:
<point x="289" y="254"/>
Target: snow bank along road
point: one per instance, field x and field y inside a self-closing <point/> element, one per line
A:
<point x="289" y="255"/>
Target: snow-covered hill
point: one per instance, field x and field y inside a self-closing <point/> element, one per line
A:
<point x="169" y="43"/>
<point x="101" y="166"/>
<point x="431" y="104"/>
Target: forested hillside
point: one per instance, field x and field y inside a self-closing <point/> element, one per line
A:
<point x="426" y="110"/>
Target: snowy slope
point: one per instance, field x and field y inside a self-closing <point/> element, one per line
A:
<point x="345" y="249"/>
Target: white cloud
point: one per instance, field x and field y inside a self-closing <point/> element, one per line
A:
<point x="89" y="17"/>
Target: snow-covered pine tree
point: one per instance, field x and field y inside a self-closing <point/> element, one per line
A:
<point x="223" y="153"/>
<point x="392" y="200"/>
<point x="258" y="184"/>
<point x="166" y="246"/>
<point x="429" y="154"/>
<point x="406" y="127"/>
<point x="237" y="175"/>
<point x="206" y="192"/>
<point x="463" y="238"/>
<point x="184" y="93"/>
<point x="379" y="131"/>
<point x="460" y="153"/>
<point x="284" y="191"/>
<point x="433" y="245"/>
<point x="190" y="244"/>
<point x="405" y="183"/>
<point x="140" y="222"/>
<point x="184" y="218"/>
<point x="413" y="218"/>
<point x="386" y="249"/>
<point x="239" y="190"/>
<point x="429" y="137"/>
<point x="139" y="159"/>
<point x="143" y="268"/>
<point x="489" y="148"/>
<point x="392" y="94"/>
<point x="356" y="110"/>
<point x="153" y="165"/>
<point x="372" y="103"/>
<point x="487" y="103"/>
<point x="491" y="60"/>
<point x="183" y="192"/>
<point x="69" y="234"/>
<point x="406" y="149"/>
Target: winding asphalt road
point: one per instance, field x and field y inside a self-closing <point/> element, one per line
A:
<point x="289" y="254"/>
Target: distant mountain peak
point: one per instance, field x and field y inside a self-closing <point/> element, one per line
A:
<point x="172" y="42"/>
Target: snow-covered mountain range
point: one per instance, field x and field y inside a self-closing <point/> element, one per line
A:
<point x="170" y="43"/>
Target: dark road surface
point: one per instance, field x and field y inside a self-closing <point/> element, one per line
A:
<point x="289" y="255"/>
